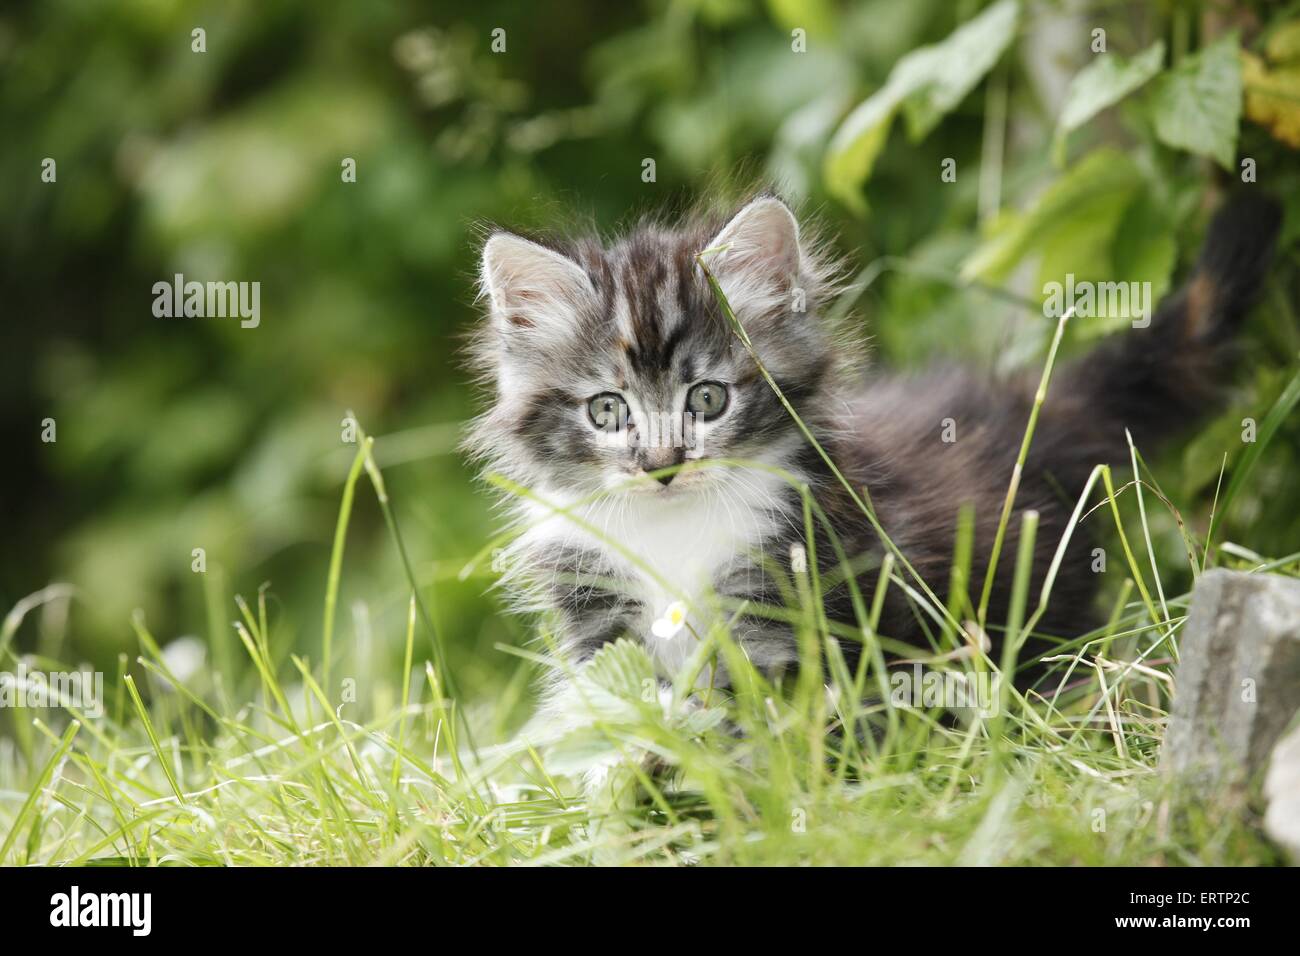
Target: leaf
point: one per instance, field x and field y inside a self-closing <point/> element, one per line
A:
<point x="611" y="690"/>
<point x="1281" y="410"/>
<point x="937" y="78"/>
<point x="1196" y="106"/>
<point x="580" y="750"/>
<point x="926" y="85"/>
<point x="1273" y="98"/>
<point x="1083" y="245"/>
<point x="613" y="681"/>
<point x="1097" y="188"/>
<point x="1284" y="43"/>
<point x="1130" y="240"/>
<point x="854" y="148"/>
<point x="1145" y="249"/>
<point x="818" y="17"/>
<point x="1101" y="84"/>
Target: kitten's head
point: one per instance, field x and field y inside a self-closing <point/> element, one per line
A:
<point x="614" y="368"/>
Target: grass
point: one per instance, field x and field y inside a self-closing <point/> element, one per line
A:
<point x="828" y="769"/>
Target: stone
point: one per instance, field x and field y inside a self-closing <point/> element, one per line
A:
<point x="1237" y="687"/>
<point x="1282" y="791"/>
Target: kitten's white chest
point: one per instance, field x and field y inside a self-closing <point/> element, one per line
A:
<point x="674" y="547"/>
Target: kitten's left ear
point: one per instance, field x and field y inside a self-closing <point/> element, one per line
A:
<point x="761" y="242"/>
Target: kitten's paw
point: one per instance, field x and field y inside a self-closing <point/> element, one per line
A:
<point x="613" y="790"/>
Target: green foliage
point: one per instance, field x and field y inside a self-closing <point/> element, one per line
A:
<point x="926" y="85"/>
<point x="1103" y="83"/>
<point x="1196" y="106"/>
<point x="1088" y="199"/>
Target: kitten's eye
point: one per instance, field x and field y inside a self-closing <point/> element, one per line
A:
<point x="707" y="399"/>
<point x="606" y="410"/>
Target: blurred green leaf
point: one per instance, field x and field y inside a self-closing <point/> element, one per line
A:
<point x="1145" y="249"/>
<point x="937" y="78"/>
<point x="926" y="85"/>
<point x="1095" y="190"/>
<point x="1103" y="83"/>
<point x="1284" y="42"/>
<point x="856" y="145"/>
<point x="1273" y="98"/>
<point x="816" y="16"/>
<point x="1196" y="106"/>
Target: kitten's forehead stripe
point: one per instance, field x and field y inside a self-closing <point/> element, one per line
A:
<point x="643" y="272"/>
<point x="607" y="289"/>
<point x="685" y="263"/>
<point x="661" y="302"/>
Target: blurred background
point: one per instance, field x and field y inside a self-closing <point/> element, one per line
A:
<point x="227" y="164"/>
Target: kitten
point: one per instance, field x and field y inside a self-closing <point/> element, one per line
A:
<point x="653" y="448"/>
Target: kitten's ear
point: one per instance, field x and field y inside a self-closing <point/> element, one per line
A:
<point x="761" y="242"/>
<point x="527" y="282"/>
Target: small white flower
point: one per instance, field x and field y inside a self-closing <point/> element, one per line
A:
<point x="671" y="622"/>
<point x="184" y="658"/>
<point x="798" y="558"/>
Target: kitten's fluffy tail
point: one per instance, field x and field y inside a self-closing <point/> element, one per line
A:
<point x="1156" y="381"/>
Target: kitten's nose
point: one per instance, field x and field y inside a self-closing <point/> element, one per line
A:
<point x="652" y="459"/>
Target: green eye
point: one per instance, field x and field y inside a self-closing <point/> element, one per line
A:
<point x="607" y="411"/>
<point x="707" y="399"/>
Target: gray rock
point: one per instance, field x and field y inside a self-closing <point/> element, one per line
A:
<point x="1238" y="681"/>
<point x="1282" y="791"/>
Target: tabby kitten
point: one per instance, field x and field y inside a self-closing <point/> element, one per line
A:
<point x="659" y="460"/>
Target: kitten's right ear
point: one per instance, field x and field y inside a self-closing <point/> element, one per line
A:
<point x="527" y="282"/>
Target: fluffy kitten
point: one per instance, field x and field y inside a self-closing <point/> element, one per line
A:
<point x="613" y="362"/>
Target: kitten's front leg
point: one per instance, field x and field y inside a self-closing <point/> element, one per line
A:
<point x="612" y="785"/>
<point x="769" y="645"/>
<point x="590" y="617"/>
